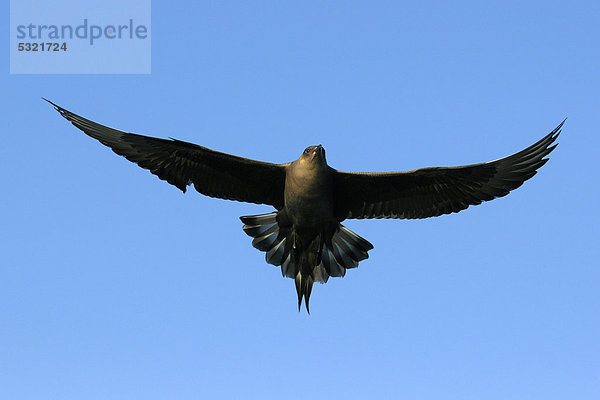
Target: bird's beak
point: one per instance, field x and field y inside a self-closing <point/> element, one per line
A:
<point x="320" y="152"/>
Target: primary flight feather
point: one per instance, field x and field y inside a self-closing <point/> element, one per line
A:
<point x="305" y="235"/>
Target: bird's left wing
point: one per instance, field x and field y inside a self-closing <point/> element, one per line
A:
<point x="181" y="164"/>
<point x="430" y="192"/>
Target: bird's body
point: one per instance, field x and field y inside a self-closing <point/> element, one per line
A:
<point x="305" y="235"/>
<point x="308" y="195"/>
<point x="307" y="238"/>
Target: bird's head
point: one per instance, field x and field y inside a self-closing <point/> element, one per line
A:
<point x="314" y="154"/>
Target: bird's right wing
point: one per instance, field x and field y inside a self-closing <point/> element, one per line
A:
<point x="181" y="164"/>
<point x="430" y="192"/>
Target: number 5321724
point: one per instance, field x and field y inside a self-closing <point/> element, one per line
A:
<point x="43" y="46"/>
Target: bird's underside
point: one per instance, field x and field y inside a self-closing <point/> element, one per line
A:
<point x="304" y="235"/>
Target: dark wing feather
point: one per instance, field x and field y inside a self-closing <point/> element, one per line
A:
<point x="430" y="192"/>
<point x="181" y="164"/>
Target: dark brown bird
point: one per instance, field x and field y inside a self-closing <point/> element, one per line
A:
<point x="305" y="235"/>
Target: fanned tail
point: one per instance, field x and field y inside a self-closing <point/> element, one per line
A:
<point x="306" y="257"/>
<point x="344" y="250"/>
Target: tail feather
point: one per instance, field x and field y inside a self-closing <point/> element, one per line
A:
<point x="267" y="240"/>
<point x="276" y="253"/>
<point x="304" y="286"/>
<point x="288" y="268"/>
<point x="265" y="231"/>
<point x="357" y="245"/>
<point x="345" y="250"/>
<point x="306" y="259"/>
<point x="344" y="255"/>
<point x="256" y="225"/>
<point x="331" y="265"/>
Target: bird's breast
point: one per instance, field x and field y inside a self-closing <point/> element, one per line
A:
<point x="308" y="195"/>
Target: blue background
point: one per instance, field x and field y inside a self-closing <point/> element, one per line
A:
<point x="114" y="285"/>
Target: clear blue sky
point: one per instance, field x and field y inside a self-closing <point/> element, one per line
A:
<point x="114" y="285"/>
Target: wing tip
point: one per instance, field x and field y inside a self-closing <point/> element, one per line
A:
<point x="56" y="106"/>
<point x="558" y="130"/>
<point x="65" y="113"/>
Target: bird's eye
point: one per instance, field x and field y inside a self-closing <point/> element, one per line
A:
<point x="307" y="151"/>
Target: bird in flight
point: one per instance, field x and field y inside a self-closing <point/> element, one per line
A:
<point x="305" y="235"/>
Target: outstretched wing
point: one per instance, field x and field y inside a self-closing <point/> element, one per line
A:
<point x="430" y="192"/>
<point x="181" y="164"/>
